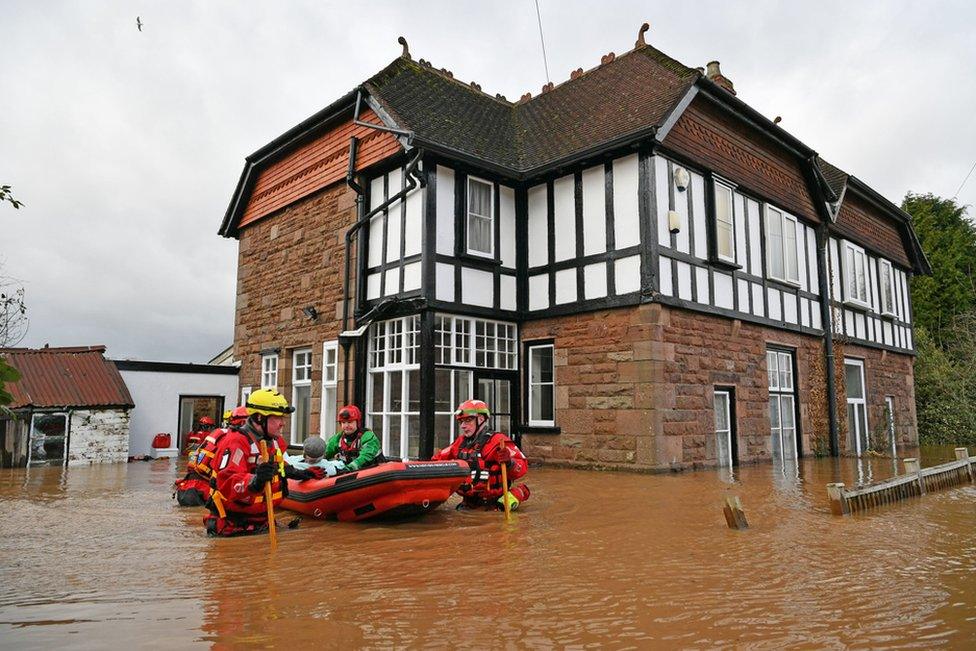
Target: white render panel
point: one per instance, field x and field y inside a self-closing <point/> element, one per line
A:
<point x="743" y="292"/>
<point x="860" y="329"/>
<point x="812" y="257"/>
<point x="394" y="186"/>
<point x="626" y="272"/>
<point x="758" y="306"/>
<point x="372" y="286"/>
<point x="664" y="276"/>
<point x="156" y="395"/>
<point x="698" y="213"/>
<point x="507" y="300"/>
<point x="684" y="281"/>
<point x="886" y="337"/>
<point x="444" y="277"/>
<point x="391" y="284"/>
<point x="595" y="280"/>
<point x="789" y="308"/>
<point x="849" y="322"/>
<point x="538" y="244"/>
<point x="414" y="222"/>
<point x="376" y="195"/>
<point x="837" y="320"/>
<point x="908" y="339"/>
<point x="506" y="216"/>
<point x="539" y="292"/>
<point x="805" y="312"/>
<point x="411" y="276"/>
<point x="565" y="286"/>
<point x="739" y="207"/>
<point x="393" y="235"/>
<point x="374" y="257"/>
<point x="661" y="191"/>
<point x="775" y="307"/>
<point x="682" y="240"/>
<point x="902" y="294"/>
<point x="625" y="215"/>
<point x="835" y="270"/>
<point x="755" y="248"/>
<point x="594" y="210"/>
<point x="801" y="256"/>
<point x="564" y="219"/>
<point x="873" y="286"/>
<point x="724" y="295"/>
<point x="445" y="210"/>
<point x="701" y="285"/>
<point x="815" y="316"/>
<point x="477" y="287"/>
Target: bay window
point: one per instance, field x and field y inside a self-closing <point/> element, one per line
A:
<point x="393" y="386"/>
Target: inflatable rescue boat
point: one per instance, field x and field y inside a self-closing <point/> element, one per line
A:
<point x="392" y="490"/>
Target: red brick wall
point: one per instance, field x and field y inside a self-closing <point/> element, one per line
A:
<point x="634" y="387"/>
<point x="715" y="140"/>
<point x="286" y="263"/>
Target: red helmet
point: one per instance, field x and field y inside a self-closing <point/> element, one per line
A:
<point x="470" y="408"/>
<point x="206" y="420"/>
<point x="350" y="414"/>
<point x="238" y="416"/>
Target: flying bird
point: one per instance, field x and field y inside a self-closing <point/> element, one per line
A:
<point x="138" y="23"/>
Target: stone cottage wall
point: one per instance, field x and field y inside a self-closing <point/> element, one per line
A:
<point x="98" y="436"/>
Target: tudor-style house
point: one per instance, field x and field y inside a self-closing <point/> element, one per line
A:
<point x="634" y="268"/>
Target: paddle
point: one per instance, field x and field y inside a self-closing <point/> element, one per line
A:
<point x="268" y="498"/>
<point x="508" y="507"/>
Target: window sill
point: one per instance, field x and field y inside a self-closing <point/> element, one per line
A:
<point x="539" y="429"/>
<point x="857" y="305"/>
<point x="725" y="264"/>
<point x="889" y="316"/>
<point x="792" y="284"/>
<point x="491" y="261"/>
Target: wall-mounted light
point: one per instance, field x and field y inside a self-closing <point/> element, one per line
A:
<point x="681" y="178"/>
<point x="674" y="221"/>
<point x="310" y="312"/>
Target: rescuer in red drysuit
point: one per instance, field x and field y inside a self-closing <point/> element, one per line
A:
<point x="193" y="439"/>
<point x="237" y="505"/>
<point x="486" y="451"/>
<point x="194" y="488"/>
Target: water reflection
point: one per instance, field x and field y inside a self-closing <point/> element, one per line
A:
<point x="101" y="556"/>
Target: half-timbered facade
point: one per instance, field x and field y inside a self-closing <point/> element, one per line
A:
<point x="633" y="268"/>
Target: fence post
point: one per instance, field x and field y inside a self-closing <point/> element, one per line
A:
<point x="735" y="517"/>
<point x="912" y="467"/>
<point x="838" y="505"/>
<point x="962" y="454"/>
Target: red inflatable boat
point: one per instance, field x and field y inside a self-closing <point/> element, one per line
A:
<point x="394" y="489"/>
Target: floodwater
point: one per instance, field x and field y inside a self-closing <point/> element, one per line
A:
<point x="100" y="557"/>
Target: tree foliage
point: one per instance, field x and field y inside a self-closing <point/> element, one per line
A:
<point x="5" y="195"/>
<point x="948" y="239"/>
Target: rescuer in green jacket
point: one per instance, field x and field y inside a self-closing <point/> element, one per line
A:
<point x="357" y="447"/>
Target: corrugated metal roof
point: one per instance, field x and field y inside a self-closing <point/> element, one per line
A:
<point x="65" y="377"/>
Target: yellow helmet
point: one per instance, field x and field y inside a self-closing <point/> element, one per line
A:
<point x="268" y="402"/>
<point x="226" y="415"/>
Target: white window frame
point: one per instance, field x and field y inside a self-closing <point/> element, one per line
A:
<point x="458" y="343"/>
<point x="718" y="186"/>
<point x="330" y="384"/>
<point x="245" y="394"/>
<point x="301" y="376"/>
<point x="859" y="402"/>
<point x="786" y="220"/>
<point x="726" y="433"/>
<point x="851" y="295"/>
<point x="530" y="384"/>
<point x="269" y="371"/>
<point x="887" y="306"/>
<point x="490" y="253"/>
<point x="403" y="334"/>
<point x="781" y="382"/>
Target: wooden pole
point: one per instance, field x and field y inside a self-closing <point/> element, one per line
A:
<point x="508" y="507"/>
<point x="838" y="505"/>
<point x="272" y="533"/>
<point x="735" y="517"/>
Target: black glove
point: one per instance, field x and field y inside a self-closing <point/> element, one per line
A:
<point x="263" y="473"/>
<point x="292" y="472"/>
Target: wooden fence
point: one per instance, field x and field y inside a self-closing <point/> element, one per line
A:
<point x="915" y="483"/>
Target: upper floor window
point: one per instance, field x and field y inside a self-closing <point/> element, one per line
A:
<point x="886" y="287"/>
<point x="855" y="274"/>
<point x="724" y="224"/>
<point x="480" y="218"/>
<point x="467" y="341"/>
<point x="269" y="371"/>
<point x="781" y="246"/>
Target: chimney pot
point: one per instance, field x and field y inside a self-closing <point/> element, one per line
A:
<point x="714" y="74"/>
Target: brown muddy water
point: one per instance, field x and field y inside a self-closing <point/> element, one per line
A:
<point x="100" y="557"/>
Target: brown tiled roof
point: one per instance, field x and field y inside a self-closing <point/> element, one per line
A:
<point x="836" y="178"/>
<point x="633" y="92"/>
<point x="65" y="377"/>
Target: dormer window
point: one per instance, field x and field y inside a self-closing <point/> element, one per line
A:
<point x="480" y="218"/>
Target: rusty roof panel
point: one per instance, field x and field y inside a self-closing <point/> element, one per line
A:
<point x="65" y="377"/>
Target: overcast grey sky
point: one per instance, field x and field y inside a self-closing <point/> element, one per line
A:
<point x="125" y="146"/>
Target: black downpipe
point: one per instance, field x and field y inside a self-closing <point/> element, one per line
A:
<point x="826" y="320"/>
<point x="413" y="180"/>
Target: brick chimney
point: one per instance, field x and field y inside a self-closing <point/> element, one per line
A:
<point x="713" y="73"/>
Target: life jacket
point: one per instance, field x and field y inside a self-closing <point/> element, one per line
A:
<point x="192" y="490"/>
<point x="349" y="450"/>
<point x="201" y="459"/>
<point x="222" y="504"/>
<point x="486" y="476"/>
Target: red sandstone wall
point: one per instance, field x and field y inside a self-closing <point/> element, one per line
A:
<point x="634" y="387"/>
<point x="286" y="263"/>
